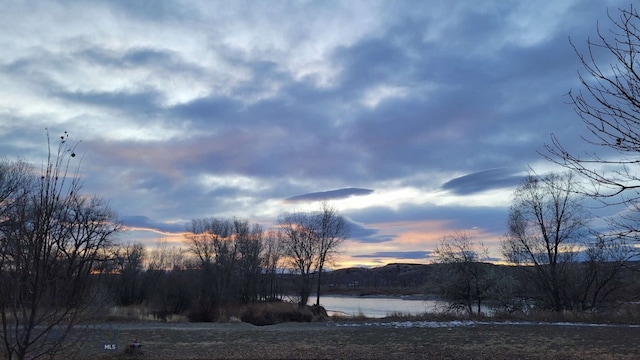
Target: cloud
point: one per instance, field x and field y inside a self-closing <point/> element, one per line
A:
<point x="140" y="222"/>
<point x="330" y="195"/>
<point x="408" y="255"/>
<point x="364" y="234"/>
<point x="457" y="217"/>
<point x="482" y="181"/>
<point x="192" y="110"/>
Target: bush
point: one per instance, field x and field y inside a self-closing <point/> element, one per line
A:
<point x="280" y="312"/>
<point x="202" y="312"/>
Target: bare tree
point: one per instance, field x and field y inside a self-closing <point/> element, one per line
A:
<point x="299" y="243"/>
<point x="465" y="281"/>
<point x="165" y="258"/>
<point x="229" y="254"/>
<point x="14" y="177"/>
<point x="249" y="239"/>
<point x="545" y="228"/>
<point x="208" y="241"/>
<point x="52" y="237"/>
<point x="332" y="230"/>
<point x="129" y="287"/>
<point x="572" y="266"/>
<point x="601" y="271"/>
<point x="170" y="288"/>
<point x="272" y="255"/>
<point x="202" y="234"/>
<point x="310" y="240"/>
<point x="609" y="105"/>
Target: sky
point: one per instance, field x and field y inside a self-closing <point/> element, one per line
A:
<point x="414" y="119"/>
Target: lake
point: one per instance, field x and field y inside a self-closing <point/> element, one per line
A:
<point x="377" y="306"/>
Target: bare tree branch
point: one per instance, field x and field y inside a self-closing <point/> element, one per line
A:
<point x="52" y="238"/>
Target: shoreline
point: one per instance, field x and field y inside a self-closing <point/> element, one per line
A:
<point x="380" y="296"/>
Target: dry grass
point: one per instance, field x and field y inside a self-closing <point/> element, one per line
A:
<point x="628" y="313"/>
<point x="357" y="340"/>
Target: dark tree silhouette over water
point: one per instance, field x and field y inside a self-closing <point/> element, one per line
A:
<point x="310" y="240"/>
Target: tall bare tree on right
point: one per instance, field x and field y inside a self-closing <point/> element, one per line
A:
<point x="546" y="227"/>
<point x="568" y="265"/>
<point x="608" y="103"/>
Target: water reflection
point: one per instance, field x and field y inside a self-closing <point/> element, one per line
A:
<point x="378" y="307"/>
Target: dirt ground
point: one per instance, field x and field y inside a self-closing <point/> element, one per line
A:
<point x="362" y="340"/>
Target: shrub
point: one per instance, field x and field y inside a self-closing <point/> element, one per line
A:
<point x="202" y="312"/>
<point x="280" y="312"/>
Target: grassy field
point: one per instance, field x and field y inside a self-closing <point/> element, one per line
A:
<point x="363" y="340"/>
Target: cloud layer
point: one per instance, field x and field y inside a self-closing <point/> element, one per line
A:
<point x="330" y="195"/>
<point x="189" y="109"/>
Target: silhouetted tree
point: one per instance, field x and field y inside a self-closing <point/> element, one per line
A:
<point x="546" y="226"/>
<point x="309" y="241"/>
<point x="250" y="262"/>
<point x="571" y="266"/>
<point x="169" y="275"/>
<point x="51" y="238"/>
<point x="601" y="272"/>
<point x="272" y="260"/>
<point x="130" y="286"/>
<point x="165" y="257"/>
<point x="463" y="279"/>
<point x="609" y="105"/>
<point x="206" y="240"/>
<point x="228" y="253"/>
<point x="300" y="250"/>
<point x="332" y="230"/>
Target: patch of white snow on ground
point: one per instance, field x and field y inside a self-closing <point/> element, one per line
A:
<point x="467" y="323"/>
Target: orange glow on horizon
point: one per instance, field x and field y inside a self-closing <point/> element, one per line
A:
<point x="405" y="236"/>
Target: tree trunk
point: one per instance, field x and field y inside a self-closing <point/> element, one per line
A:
<point x="318" y="288"/>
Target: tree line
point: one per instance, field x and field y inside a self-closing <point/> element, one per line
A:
<point x="60" y="261"/>
<point x="562" y="261"/>
<point x="228" y="261"/>
<point x="569" y="261"/>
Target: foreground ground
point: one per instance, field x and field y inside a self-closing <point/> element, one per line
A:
<point x="364" y="340"/>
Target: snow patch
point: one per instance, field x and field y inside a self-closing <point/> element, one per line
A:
<point x="468" y="323"/>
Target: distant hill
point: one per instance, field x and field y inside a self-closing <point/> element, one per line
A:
<point x="396" y="279"/>
<point x="412" y="279"/>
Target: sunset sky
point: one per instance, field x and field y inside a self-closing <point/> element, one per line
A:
<point x="415" y="119"/>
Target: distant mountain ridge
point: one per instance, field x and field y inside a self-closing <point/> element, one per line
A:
<point x="401" y="278"/>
